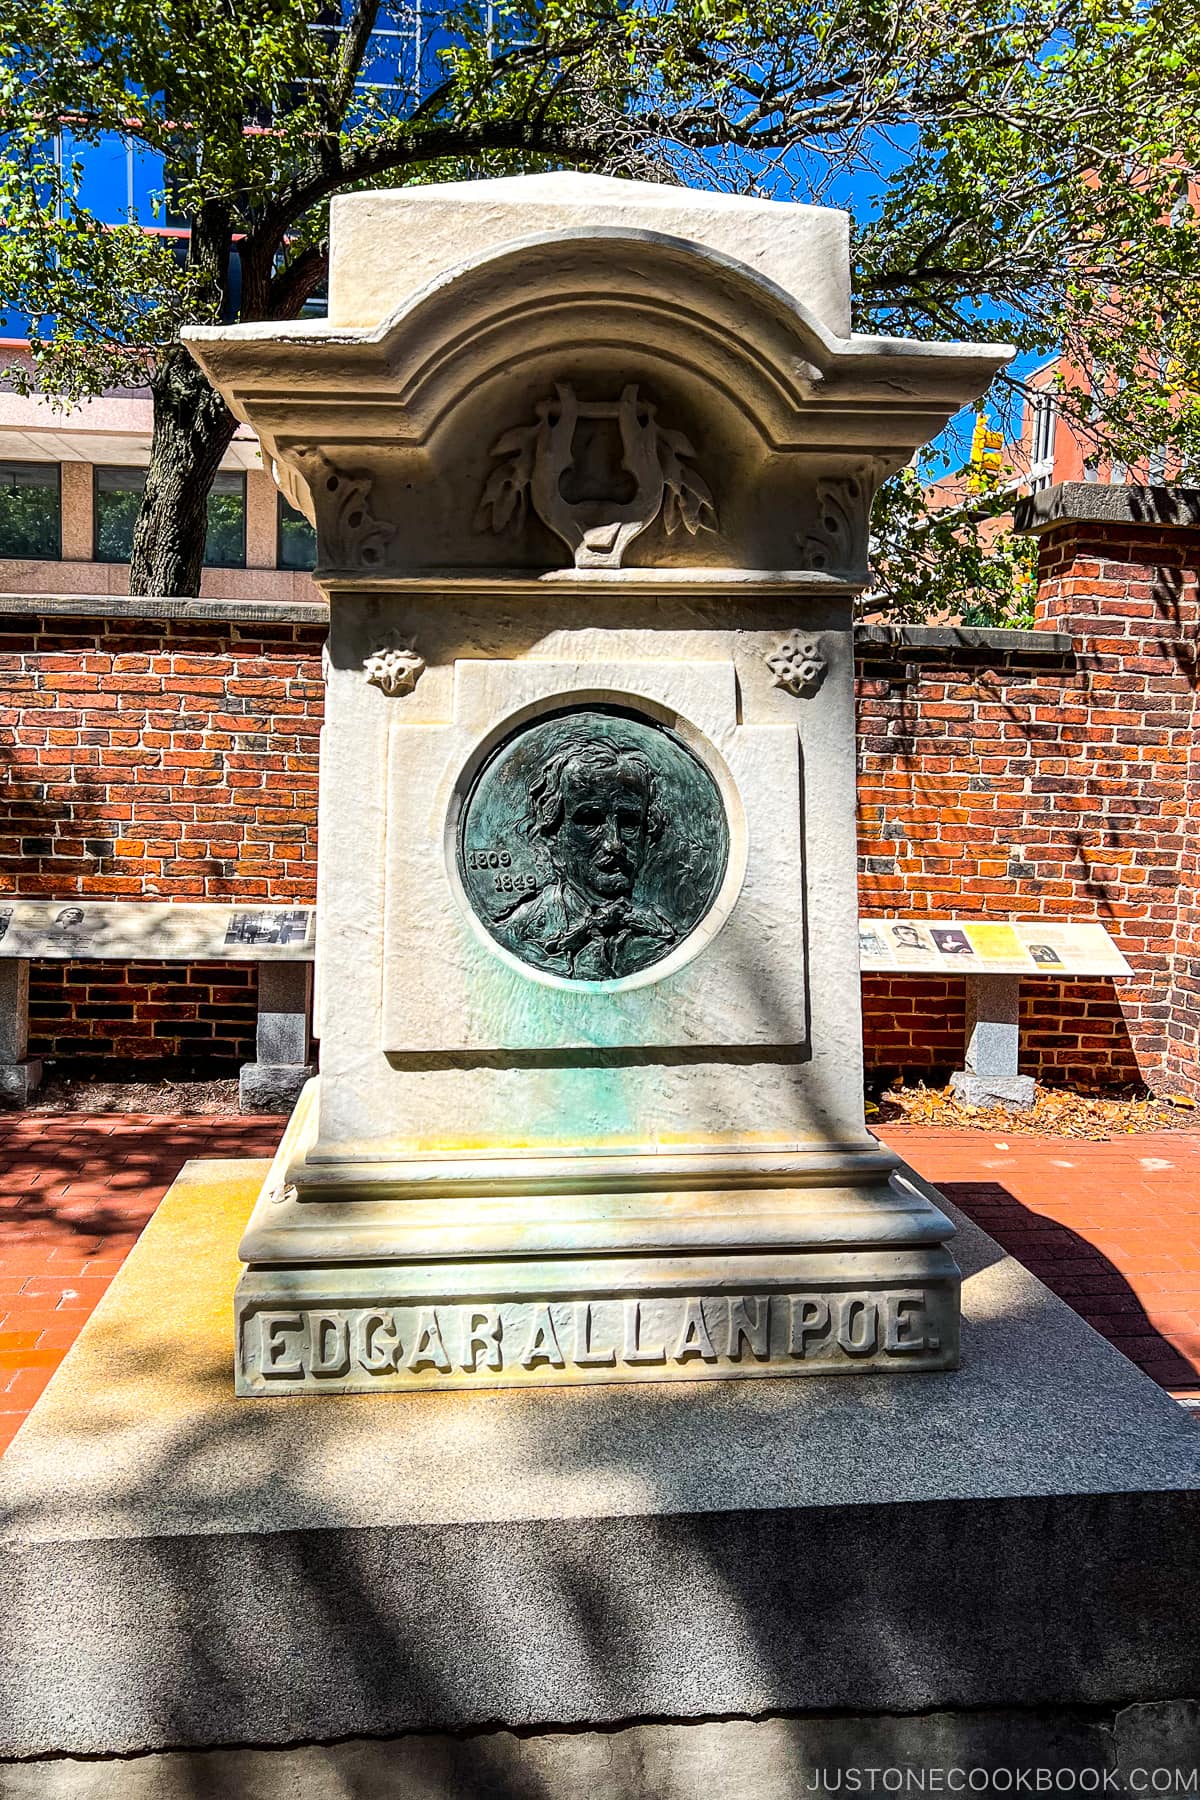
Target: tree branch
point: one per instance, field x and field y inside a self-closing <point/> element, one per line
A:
<point x="293" y="285"/>
<point x="353" y="48"/>
<point x="406" y="149"/>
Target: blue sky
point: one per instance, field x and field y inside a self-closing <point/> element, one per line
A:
<point x="860" y="191"/>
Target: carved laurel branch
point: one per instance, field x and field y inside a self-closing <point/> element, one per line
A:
<point x="394" y="668"/>
<point x="687" y="501"/>
<point x="350" y="533"/>
<point x="838" y="540"/>
<point x="504" y="500"/>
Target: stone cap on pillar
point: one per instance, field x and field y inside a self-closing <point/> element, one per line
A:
<point x="548" y="377"/>
<point x="395" y="241"/>
<point x="1108" y="503"/>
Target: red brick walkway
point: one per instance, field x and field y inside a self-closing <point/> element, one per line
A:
<point x="75" y="1192"/>
<point x="1114" y="1227"/>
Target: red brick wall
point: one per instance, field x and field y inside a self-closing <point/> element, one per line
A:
<point x="1134" y="594"/>
<point x="1183" y="1029"/>
<point x="1053" y="788"/>
<point x="143" y="1018"/>
<point x="1071" y="1031"/>
<point x="912" y="1024"/>
<point x="155" y="759"/>
<point x="158" y="759"/>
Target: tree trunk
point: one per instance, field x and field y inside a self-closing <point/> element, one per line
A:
<point x="192" y="431"/>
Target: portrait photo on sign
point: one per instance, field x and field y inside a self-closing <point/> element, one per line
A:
<point x="910" y="940"/>
<point x="72" y="922"/>
<point x="950" y="940"/>
<point x="592" y="843"/>
<point x="1045" y="954"/>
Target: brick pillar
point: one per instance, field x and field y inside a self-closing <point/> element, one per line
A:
<point x="1118" y="570"/>
<point x="1183" y="1026"/>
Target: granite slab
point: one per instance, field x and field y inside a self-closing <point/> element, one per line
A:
<point x="1019" y="1532"/>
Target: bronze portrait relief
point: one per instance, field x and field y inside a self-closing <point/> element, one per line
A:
<point x="592" y="843"/>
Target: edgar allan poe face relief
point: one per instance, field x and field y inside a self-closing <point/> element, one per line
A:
<point x="592" y="843"/>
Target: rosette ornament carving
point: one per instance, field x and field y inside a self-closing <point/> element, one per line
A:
<point x="394" y="668"/>
<point x="799" y="664"/>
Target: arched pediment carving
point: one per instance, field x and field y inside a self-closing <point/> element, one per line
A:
<point x="767" y="400"/>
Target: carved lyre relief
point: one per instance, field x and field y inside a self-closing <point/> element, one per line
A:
<point x="597" y="501"/>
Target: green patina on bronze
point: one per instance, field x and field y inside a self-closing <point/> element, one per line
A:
<point x="592" y="843"/>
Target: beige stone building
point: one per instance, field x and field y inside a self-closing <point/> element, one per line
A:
<point x="70" y="482"/>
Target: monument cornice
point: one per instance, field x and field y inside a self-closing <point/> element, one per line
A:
<point x="431" y="434"/>
<point x="706" y="582"/>
<point x="784" y="370"/>
<point x="535" y="260"/>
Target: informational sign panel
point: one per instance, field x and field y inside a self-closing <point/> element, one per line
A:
<point x="103" y="929"/>
<point x="969" y="946"/>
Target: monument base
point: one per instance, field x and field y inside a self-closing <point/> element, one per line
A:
<point x="1114" y="1750"/>
<point x="1017" y="1535"/>
<point x="272" y="1087"/>
<point x="19" y="1081"/>
<point x="414" y="1327"/>
<point x="721" y="1261"/>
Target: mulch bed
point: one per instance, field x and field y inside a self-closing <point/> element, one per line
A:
<point x="180" y="1099"/>
<point x="1056" y="1112"/>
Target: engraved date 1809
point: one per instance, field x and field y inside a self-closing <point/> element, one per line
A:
<point x="504" y="881"/>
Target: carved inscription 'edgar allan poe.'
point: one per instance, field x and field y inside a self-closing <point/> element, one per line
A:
<point x="592" y="1340"/>
<point x="592" y="843"/>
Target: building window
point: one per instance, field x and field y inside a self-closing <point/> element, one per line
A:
<point x="119" y="498"/>
<point x="1041" y="450"/>
<point x="1098" y="383"/>
<point x="225" y="544"/>
<point x="1156" y="467"/>
<point x="297" y="545"/>
<point x="30" y="511"/>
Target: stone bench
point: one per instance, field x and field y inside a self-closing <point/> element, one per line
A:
<point x="280" y="939"/>
<point x="994" y="957"/>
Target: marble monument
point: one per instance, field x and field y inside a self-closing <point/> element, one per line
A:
<point x="591" y="464"/>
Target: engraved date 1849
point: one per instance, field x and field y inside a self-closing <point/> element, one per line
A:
<point x="504" y="883"/>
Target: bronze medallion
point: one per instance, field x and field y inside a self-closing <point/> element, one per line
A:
<point x="592" y="843"/>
